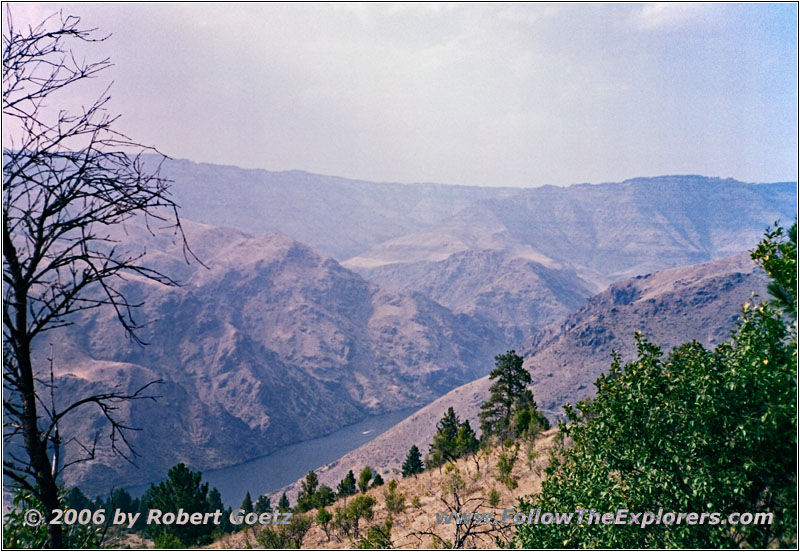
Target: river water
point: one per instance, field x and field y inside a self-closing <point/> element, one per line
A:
<point x="268" y="473"/>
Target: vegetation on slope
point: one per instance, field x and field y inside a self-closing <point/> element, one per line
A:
<point x="696" y="430"/>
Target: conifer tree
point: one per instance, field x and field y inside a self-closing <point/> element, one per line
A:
<point x="347" y="486"/>
<point x="263" y="505"/>
<point x="443" y="446"/>
<point x="377" y="481"/>
<point x="413" y="462"/>
<point x="306" y="499"/>
<point x="247" y="503"/>
<point x="508" y="395"/>
<point x="364" y="478"/>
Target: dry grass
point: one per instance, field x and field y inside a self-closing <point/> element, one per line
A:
<point x="427" y="487"/>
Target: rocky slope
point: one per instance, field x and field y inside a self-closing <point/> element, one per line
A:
<point x="607" y="231"/>
<point x="271" y="344"/>
<point x="523" y="262"/>
<point x="338" y="216"/>
<point x="514" y="293"/>
<point x="669" y="307"/>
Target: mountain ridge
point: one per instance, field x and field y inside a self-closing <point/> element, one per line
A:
<point x="566" y="357"/>
<point x="273" y="343"/>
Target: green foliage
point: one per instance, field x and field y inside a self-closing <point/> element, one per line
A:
<point x="247" y="503"/>
<point x="325" y="496"/>
<point x="698" y="431"/>
<point x="181" y="489"/>
<point x="505" y="465"/>
<point x="413" y="462"/>
<point x="416" y="503"/>
<point x="528" y="422"/>
<point x="347" y="486"/>
<point x="167" y="541"/>
<point x="312" y="495"/>
<point x="121" y="499"/>
<point x="364" y="478"/>
<point x="347" y="519"/>
<point x="285" y="536"/>
<point x="306" y="498"/>
<point x="263" y="505"/>
<point x="510" y="411"/>
<point x="494" y="497"/>
<point x="466" y="441"/>
<point x="324" y="518"/>
<point x="378" y="536"/>
<point x="144" y="501"/>
<point x="443" y="446"/>
<point x="531" y="455"/>
<point x="452" y="440"/>
<point x="17" y="534"/>
<point x="777" y="255"/>
<point x="214" y="504"/>
<point x="395" y="501"/>
<point x="283" y="503"/>
<point x="76" y="500"/>
<point x="452" y="482"/>
<point x="377" y="481"/>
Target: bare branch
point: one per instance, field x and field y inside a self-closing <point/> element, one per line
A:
<point x="69" y="178"/>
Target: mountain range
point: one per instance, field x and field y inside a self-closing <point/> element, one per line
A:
<point x="323" y="300"/>
<point x="272" y="344"/>
<point x="669" y="307"/>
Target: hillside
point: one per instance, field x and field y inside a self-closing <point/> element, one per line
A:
<point x="606" y="231"/>
<point x="669" y="307"/>
<point x="517" y="258"/>
<point x="272" y="344"/>
<point x="478" y="474"/>
<point x="338" y="216"/>
<point x="514" y="293"/>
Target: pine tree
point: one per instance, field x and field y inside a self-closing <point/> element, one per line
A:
<point x="452" y="440"/>
<point x="283" y="503"/>
<point x="181" y="489"/>
<point x="364" y="478"/>
<point x="509" y="393"/>
<point x="347" y="486"/>
<point x="377" y="481"/>
<point x="247" y="503"/>
<point x="263" y="505"/>
<point x="325" y="496"/>
<point x="215" y="504"/>
<point x="306" y="498"/>
<point x="466" y="440"/>
<point x="413" y="462"/>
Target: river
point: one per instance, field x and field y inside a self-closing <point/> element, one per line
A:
<point x="284" y="466"/>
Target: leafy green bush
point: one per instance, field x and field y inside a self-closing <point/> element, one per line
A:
<point x="285" y="536"/>
<point x="505" y="465"/>
<point x="18" y="534"/>
<point x="395" y="501"/>
<point x="377" y="537"/>
<point x="696" y="431"/>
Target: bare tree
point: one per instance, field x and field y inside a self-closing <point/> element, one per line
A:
<point x="68" y="178"/>
<point x="471" y="527"/>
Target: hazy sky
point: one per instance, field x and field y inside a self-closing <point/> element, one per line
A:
<point x="517" y="94"/>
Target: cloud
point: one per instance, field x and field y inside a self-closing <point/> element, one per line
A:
<point x="669" y="15"/>
<point x="520" y="94"/>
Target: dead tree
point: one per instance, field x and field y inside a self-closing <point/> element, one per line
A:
<point x="469" y="522"/>
<point x="68" y="178"/>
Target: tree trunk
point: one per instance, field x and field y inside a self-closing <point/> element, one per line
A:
<point x="34" y="445"/>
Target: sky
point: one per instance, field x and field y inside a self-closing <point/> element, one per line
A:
<point x="472" y="94"/>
